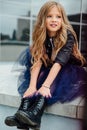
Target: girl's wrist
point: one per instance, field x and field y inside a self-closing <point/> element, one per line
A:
<point x="33" y="86"/>
<point x="43" y="85"/>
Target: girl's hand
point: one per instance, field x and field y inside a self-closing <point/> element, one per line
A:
<point x="44" y="92"/>
<point x="30" y="92"/>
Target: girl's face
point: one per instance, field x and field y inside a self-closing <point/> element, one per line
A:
<point x="53" y="21"/>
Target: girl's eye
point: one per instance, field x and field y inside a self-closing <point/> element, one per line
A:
<point x="58" y="16"/>
<point x="49" y="16"/>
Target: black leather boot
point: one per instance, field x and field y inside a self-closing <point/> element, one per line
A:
<point x="33" y="115"/>
<point x="13" y="121"/>
<point x="26" y="103"/>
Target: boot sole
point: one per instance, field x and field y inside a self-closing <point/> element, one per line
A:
<point x="14" y="123"/>
<point x="22" y="116"/>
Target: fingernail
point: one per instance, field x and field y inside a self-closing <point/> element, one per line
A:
<point x="36" y="94"/>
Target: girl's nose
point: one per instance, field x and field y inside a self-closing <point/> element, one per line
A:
<point x="54" y="19"/>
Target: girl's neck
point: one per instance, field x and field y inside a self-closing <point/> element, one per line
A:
<point x="51" y="35"/>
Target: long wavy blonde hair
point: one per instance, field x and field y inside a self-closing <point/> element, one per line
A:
<point x="40" y="32"/>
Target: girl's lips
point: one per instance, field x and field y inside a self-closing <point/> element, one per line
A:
<point x="53" y="25"/>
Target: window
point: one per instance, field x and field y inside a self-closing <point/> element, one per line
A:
<point x="14" y="28"/>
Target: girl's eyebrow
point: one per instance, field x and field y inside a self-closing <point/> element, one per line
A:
<point x="53" y="13"/>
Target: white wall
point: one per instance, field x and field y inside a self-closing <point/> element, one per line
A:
<point x="10" y="52"/>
